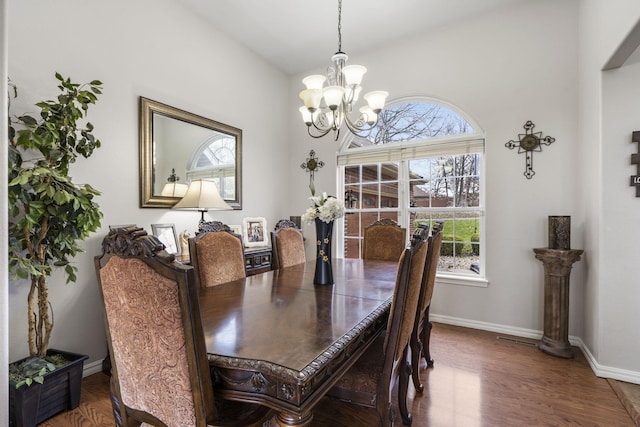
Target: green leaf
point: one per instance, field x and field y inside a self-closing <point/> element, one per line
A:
<point x="28" y="120"/>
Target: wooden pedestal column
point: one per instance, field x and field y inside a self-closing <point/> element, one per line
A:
<point x="557" y="268"/>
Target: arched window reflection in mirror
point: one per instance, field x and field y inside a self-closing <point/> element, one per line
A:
<point x="177" y="145"/>
<point x="215" y="160"/>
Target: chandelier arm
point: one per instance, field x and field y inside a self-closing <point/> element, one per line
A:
<point x="321" y="132"/>
<point x="359" y="130"/>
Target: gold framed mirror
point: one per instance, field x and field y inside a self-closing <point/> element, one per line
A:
<point x="177" y="147"/>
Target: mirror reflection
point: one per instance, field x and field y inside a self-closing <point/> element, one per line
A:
<point x="178" y="147"/>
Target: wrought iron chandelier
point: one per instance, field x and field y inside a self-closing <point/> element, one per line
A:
<point x="339" y="96"/>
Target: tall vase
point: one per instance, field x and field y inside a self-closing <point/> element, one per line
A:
<point x="324" y="272"/>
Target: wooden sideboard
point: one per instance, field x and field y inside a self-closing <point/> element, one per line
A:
<point x="257" y="260"/>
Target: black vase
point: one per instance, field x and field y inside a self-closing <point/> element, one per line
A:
<point x="324" y="272"/>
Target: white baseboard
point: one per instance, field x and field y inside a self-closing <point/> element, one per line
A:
<point x="598" y="369"/>
<point x="92" y="368"/>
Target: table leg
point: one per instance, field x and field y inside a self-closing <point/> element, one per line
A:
<point x="291" y="420"/>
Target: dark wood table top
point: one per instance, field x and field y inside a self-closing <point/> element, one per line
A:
<point x="278" y="327"/>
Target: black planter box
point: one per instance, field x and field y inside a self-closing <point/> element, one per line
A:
<point x="30" y="405"/>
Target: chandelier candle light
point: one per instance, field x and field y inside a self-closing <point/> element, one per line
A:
<point x="340" y="96"/>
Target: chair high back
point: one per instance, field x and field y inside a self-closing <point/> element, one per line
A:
<point x="373" y="377"/>
<point x="217" y="254"/>
<point x="420" y="336"/>
<point x="383" y="240"/>
<point x="287" y="245"/>
<point x="160" y="371"/>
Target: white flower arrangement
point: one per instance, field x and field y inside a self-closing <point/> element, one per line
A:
<point x="326" y="208"/>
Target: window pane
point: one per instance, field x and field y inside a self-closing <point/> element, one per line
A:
<point x="389" y="172"/>
<point x="389" y="215"/>
<point x="369" y="173"/>
<point x="467" y="191"/>
<point x="370" y="196"/>
<point x="352" y="196"/>
<point x="352" y="247"/>
<point x="351" y="174"/>
<point x="352" y="225"/>
<point x="441" y="192"/>
<point x="389" y="195"/>
<point x="419" y="193"/>
<point x="368" y="218"/>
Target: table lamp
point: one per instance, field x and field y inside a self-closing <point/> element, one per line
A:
<point x="202" y="195"/>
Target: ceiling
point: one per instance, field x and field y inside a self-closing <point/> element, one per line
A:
<point x="298" y="35"/>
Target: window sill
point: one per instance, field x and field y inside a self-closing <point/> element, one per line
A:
<point x="462" y="279"/>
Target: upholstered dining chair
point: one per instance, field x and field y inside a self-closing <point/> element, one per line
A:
<point x="384" y="240"/>
<point x="287" y="245"/>
<point x="160" y="373"/>
<point x="421" y="334"/>
<point x="372" y="378"/>
<point x="217" y="254"/>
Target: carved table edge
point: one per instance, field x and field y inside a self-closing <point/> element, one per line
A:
<point x="304" y="375"/>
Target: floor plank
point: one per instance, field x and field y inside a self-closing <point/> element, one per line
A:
<point x="478" y="380"/>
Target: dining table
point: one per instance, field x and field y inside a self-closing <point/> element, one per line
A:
<point x="279" y="340"/>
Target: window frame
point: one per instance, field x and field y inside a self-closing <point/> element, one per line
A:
<point x="401" y="153"/>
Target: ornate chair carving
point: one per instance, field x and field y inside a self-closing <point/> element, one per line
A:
<point x="160" y="373"/>
<point x="384" y="240"/>
<point x="217" y="254"/>
<point x="287" y="245"/>
<point x="372" y="378"/>
<point x="421" y="334"/>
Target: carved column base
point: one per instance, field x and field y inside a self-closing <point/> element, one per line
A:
<point x="559" y="348"/>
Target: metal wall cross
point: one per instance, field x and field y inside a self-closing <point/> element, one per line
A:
<point x="635" y="159"/>
<point x="528" y="143"/>
<point x="311" y="165"/>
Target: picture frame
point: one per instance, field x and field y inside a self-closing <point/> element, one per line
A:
<point x="254" y="232"/>
<point x="237" y="229"/>
<point x="166" y="233"/>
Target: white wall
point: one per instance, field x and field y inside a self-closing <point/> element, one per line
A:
<point x="606" y="201"/>
<point x="503" y="69"/>
<point x="621" y="218"/>
<point x="145" y="48"/>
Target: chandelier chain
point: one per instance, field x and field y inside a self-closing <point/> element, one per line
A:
<point x="339" y="25"/>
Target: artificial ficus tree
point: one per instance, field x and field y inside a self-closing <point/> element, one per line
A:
<point x="50" y="214"/>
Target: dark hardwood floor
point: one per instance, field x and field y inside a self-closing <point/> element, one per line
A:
<point x="478" y="380"/>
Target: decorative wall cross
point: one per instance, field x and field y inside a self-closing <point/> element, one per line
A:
<point x="528" y="143"/>
<point x="311" y="165"/>
<point x="635" y="159"/>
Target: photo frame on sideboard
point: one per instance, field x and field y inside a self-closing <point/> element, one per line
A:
<point x="166" y="233"/>
<point x="254" y="232"/>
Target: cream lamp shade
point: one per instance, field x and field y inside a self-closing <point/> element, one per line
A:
<point x="202" y="195"/>
<point x="173" y="189"/>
